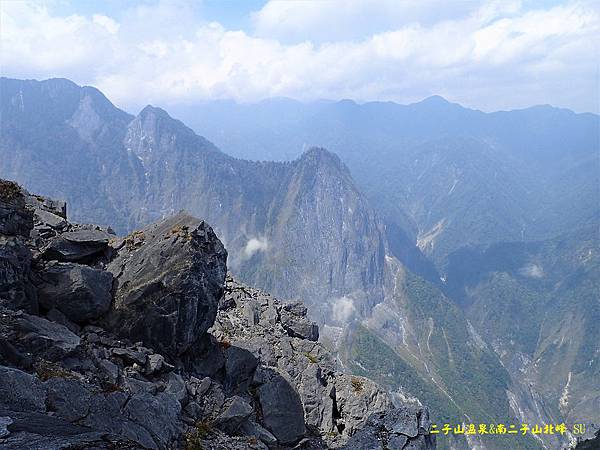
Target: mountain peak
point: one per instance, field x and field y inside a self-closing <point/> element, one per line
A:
<point x="320" y="155"/>
<point x="153" y="111"/>
<point x="434" y="100"/>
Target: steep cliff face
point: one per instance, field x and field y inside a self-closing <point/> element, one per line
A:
<point x="537" y="305"/>
<point x="141" y="342"/>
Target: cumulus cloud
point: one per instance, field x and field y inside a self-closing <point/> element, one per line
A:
<point x="342" y="309"/>
<point x="255" y="245"/>
<point x="491" y="55"/>
<point x="532" y="271"/>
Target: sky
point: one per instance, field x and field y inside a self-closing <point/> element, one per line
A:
<point x="488" y="54"/>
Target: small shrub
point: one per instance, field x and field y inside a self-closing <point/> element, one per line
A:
<point x="9" y="190"/>
<point x="357" y="384"/>
<point x="46" y="370"/>
<point x="312" y="358"/>
<point x="194" y="438"/>
<point x="134" y="240"/>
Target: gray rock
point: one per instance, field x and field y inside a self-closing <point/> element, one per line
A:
<point x="176" y="387"/>
<point x="402" y="421"/>
<point x="37" y="336"/>
<point x="129" y="356"/>
<point x="15" y="218"/>
<point x="45" y="204"/>
<point x="240" y="365"/>
<point x="295" y="322"/>
<point x="44" y="218"/>
<point x="79" y="292"/>
<point x="235" y="412"/>
<point x="283" y="414"/>
<point x="159" y="415"/>
<point x="20" y="391"/>
<point x="77" y="245"/>
<point x="169" y="282"/>
<point x="57" y="316"/>
<point x="109" y="369"/>
<point x="154" y="364"/>
<point x="16" y="289"/>
<point x="68" y="399"/>
<point x="251" y="428"/>
<point x="4" y="423"/>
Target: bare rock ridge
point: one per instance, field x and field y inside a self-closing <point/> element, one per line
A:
<point x="145" y="342"/>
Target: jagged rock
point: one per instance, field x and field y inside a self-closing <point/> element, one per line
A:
<point x="57" y="208"/>
<point x="295" y="322"/>
<point x="129" y="356"/>
<point x="80" y="292"/>
<point x="16" y="289"/>
<point x="54" y="315"/>
<point x="20" y="391"/>
<point x="393" y="430"/>
<point x="77" y="245"/>
<point x="110" y="370"/>
<point x="159" y="415"/>
<point x="168" y="284"/>
<point x="235" y="412"/>
<point x="282" y="410"/>
<point x="358" y="398"/>
<point x="68" y="399"/>
<point x="15" y="218"/>
<point x="154" y="364"/>
<point x="176" y="387"/>
<point x="240" y="365"/>
<point x="44" y="219"/>
<point x="251" y="428"/>
<point x="4" y="423"/>
<point x="37" y="336"/>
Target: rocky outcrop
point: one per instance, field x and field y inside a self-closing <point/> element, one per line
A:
<point x="142" y="342"/>
<point x="169" y="278"/>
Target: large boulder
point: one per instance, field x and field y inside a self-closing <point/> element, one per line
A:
<point x="169" y="279"/>
<point x="282" y="410"/>
<point x="79" y="292"/>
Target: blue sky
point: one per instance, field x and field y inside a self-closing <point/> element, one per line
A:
<point x="489" y="54"/>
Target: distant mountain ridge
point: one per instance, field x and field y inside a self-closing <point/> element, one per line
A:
<point x="545" y="161"/>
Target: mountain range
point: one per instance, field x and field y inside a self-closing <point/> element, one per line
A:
<point x="459" y="268"/>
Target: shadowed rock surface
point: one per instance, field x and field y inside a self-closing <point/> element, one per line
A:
<point x="144" y="343"/>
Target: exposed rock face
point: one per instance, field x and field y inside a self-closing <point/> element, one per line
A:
<point x="297" y="383"/>
<point x="169" y="278"/>
<point x="15" y="219"/>
<point x="80" y="292"/>
<point x="142" y="343"/>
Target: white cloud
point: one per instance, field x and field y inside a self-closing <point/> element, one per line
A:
<point x="493" y="56"/>
<point x="532" y="271"/>
<point x="255" y="245"/>
<point x="343" y="309"/>
<point x="334" y="20"/>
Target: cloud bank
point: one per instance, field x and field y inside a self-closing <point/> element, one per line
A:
<point x="255" y="245"/>
<point x="343" y="309"/>
<point x="490" y="54"/>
